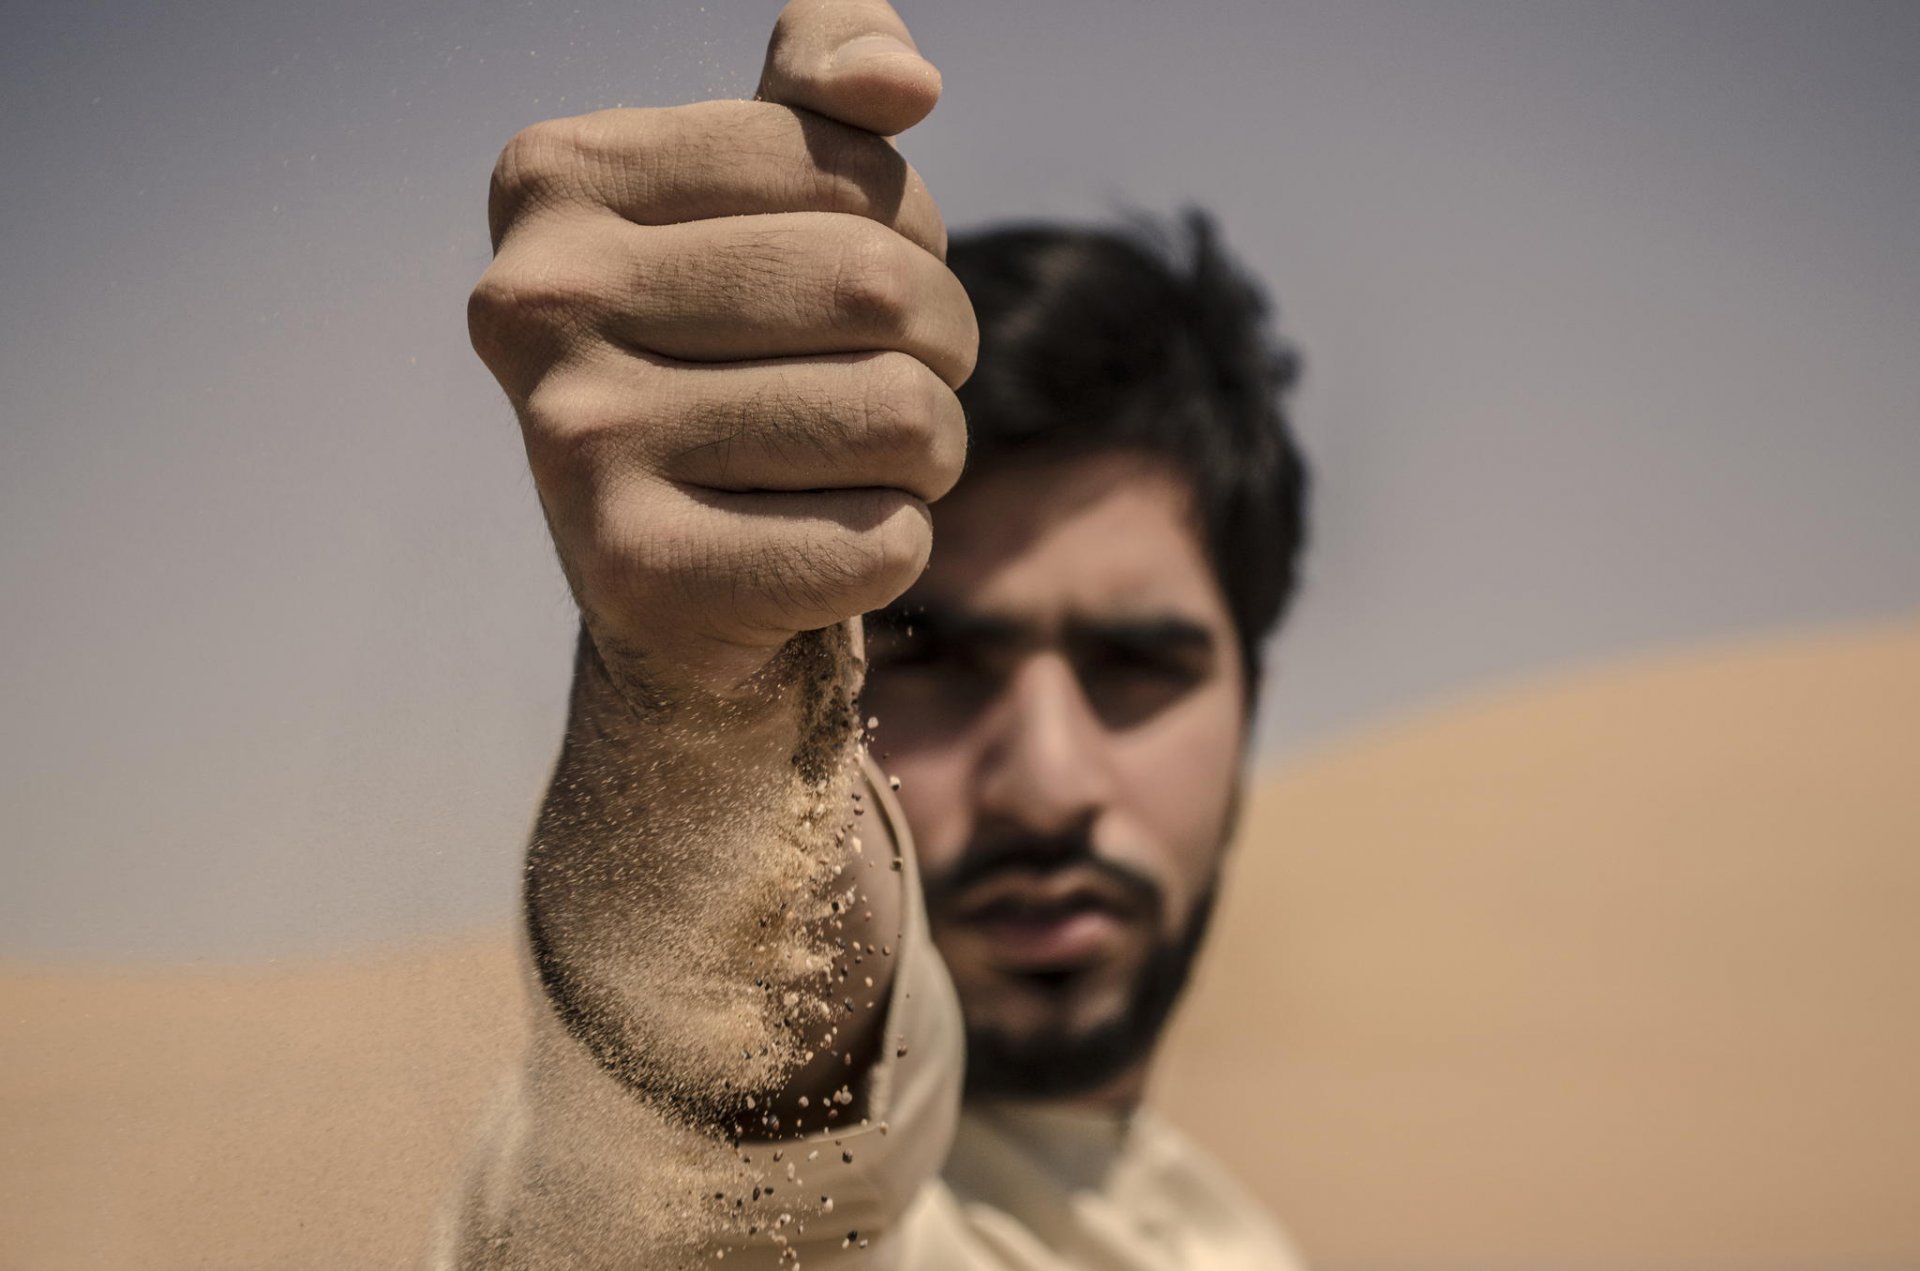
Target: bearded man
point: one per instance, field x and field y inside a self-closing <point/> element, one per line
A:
<point x="744" y="357"/>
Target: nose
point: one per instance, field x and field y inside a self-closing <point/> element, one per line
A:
<point x="1044" y="768"/>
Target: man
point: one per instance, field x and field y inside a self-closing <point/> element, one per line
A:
<point x="735" y="349"/>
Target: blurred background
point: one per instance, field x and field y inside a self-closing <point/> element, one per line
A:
<point x="1574" y="923"/>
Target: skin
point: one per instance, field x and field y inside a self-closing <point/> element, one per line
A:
<point x="1081" y="683"/>
<point x="732" y="344"/>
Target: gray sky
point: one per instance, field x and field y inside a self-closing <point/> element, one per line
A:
<point x="1612" y="314"/>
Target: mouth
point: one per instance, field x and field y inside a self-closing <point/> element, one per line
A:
<point x="1045" y="927"/>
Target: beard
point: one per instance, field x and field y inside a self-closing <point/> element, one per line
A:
<point x="1062" y="1062"/>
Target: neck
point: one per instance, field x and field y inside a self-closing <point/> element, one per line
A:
<point x="1119" y="1096"/>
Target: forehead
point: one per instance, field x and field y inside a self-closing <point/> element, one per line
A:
<point x="1110" y="532"/>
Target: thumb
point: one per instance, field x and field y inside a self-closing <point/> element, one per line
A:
<point x="852" y="61"/>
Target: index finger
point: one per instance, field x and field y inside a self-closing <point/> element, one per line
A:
<point x="852" y="61"/>
<point x="710" y="159"/>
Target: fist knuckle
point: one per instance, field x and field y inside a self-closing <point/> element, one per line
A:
<point x="533" y="163"/>
<point x="550" y="291"/>
<point x="486" y="319"/>
<point x="515" y="324"/>
<point x="569" y="429"/>
<point x="873" y="285"/>
<point x="887" y="547"/>
<point x="897" y="416"/>
<point x="936" y="228"/>
<point x="966" y="351"/>
<point x="850" y="575"/>
<point x="811" y="596"/>
<point x="948" y="450"/>
<point x="869" y="555"/>
<point x="902" y="543"/>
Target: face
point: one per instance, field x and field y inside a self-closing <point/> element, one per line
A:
<point x="1062" y="699"/>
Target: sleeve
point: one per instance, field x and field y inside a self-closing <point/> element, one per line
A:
<point x="573" y="1164"/>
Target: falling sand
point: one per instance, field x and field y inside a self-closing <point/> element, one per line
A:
<point x="688" y="915"/>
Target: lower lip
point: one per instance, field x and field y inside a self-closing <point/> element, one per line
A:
<point x="1036" y="944"/>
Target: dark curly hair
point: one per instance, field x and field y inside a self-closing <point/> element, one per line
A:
<point x="1147" y="336"/>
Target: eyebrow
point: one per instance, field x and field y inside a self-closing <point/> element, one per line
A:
<point x="944" y="624"/>
<point x="1164" y="634"/>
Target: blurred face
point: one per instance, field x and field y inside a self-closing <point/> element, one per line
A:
<point x="1062" y="700"/>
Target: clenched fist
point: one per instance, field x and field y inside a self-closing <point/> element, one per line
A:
<point x="733" y="344"/>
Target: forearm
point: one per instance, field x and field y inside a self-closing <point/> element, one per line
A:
<point x="694" y="901"/>
<point x="687" y="877"/>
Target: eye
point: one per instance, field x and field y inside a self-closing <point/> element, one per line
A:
<point x="899" y="647"/>
<point x="1153" y="663"/>
<point x="923" y="685"/>
<point x="1128" y="683"/>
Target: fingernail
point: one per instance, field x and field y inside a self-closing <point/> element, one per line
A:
<point x="862" y="47"/>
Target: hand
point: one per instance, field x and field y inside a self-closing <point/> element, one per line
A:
<point x="732" y="343"/>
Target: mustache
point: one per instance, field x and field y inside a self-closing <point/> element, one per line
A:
<point x="1038" y="856"/>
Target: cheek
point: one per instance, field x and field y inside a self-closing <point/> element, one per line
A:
<point x="1180" y="769"/>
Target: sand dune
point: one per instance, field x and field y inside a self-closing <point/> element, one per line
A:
<point x="1617" y="970"/>
<point x="1612" y="970"/>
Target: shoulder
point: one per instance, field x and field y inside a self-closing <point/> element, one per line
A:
<point x="942" y="1232"/>
<point x="1180" y="1174"/>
